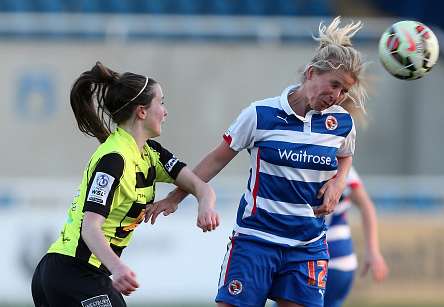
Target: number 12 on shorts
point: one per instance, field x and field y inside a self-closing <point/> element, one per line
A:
<point x="312" y="273"/>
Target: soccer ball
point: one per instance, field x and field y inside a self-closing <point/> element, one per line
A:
<point x="408" y="50"/>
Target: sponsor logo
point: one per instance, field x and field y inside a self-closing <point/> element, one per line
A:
<point x="97" y="301"/>
<point x="170" y="164"/>
<point x="235" y="287"/>
<point x="303" y="157"/>
<point x="331" y="123"/>
<point x="284" y="119"/>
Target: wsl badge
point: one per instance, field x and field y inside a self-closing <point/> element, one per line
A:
<point x="331" y="123"/>
<point x="100" y="187"/>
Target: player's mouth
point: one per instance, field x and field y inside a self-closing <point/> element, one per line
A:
<point x="325" y="104"/>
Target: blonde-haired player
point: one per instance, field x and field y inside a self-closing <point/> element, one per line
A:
<point x="300" y="144"/>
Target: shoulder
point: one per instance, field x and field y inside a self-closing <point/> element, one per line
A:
<point x="339" y="114"/>
<point x="154" y="145"/>
<point x="112" y="163"/>
<point x="267" y="102"/>
<point x="337" y="109"/>
<point x="112" y="158"/>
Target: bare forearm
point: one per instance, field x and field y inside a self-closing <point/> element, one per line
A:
<point x="344" y="165"/>
<point x="208" y="168"/>
<point x="97" y="243"/>
<point x="369" y="219"/>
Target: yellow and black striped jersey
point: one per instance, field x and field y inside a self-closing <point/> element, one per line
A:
<point x="118" y="183"/>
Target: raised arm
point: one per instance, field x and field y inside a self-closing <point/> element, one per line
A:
<point x="206" y="169"/>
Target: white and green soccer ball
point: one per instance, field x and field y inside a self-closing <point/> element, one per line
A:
<point x="408" y="50"/>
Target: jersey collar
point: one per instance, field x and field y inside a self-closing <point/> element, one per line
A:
<point x="128" y="138"/>
<point x="286" y="106"/>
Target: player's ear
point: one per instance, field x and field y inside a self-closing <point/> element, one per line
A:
<point x="311" y="72"/>
<point x="140" y="111"/>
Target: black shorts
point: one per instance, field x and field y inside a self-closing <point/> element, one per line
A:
<point x="61" y="280"/>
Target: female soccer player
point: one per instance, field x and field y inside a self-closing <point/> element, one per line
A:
<point x="118" y="184"/>
<point x="300" y="144"/>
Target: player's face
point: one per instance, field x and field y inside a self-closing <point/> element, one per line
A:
<point x="327" y="88"/>
<point x="156" y="114"/>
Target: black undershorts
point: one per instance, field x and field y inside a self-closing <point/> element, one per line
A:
<point x="64" y="281"/>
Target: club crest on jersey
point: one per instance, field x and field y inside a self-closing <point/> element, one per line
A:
<point x="235" y="287"/>
<point x="100" y="187"/>
<point x="331" y="123"/>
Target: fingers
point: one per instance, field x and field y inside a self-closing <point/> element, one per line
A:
<point x="321" y="192"/>
<point x="155" y="209"/>
<point x="126" y="284"/>
<point x="378" y="276"/>
<point x="319" y="211"/>
<point x="323" y="210"/>
<point x="169" y="211"/>
<point x="380" y="271"/>
<point x="148" y="213"/>
<point x="364" y="270"/>
<point x="154" y="216"/>
<point x="208" y="222"/>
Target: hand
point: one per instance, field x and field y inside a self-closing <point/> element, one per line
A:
<point x="124" y="280"/>
<point x="207" y="218"/>
<point x="331" y="191"/>
<point x="167" y="206"/>
<point x="377" y="264"/>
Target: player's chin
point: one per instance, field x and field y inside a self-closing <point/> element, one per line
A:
<point x="322" y="106"/>
<point x="158" y="132"/>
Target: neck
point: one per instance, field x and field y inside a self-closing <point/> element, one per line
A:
<point x="298" y="103"/>
<point x="139" y="135"/>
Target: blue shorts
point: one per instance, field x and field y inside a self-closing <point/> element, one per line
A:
<point x="254" y="270"/>
<point x="338" y="286"/>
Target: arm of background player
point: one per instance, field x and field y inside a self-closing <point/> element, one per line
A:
<point x="373" y="258"/>
<point x="206" y="169"/>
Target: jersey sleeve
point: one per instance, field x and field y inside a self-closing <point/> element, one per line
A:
<point x="240" y="134"/>
<point x="167" y="165"/>
<point x="353" y="179"/>
<point x="102" y="184"/>
<point x="347" y="147"/>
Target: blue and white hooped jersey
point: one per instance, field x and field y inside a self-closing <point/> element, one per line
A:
<point x="340" y="244"/>
<point x="291" y="158"/>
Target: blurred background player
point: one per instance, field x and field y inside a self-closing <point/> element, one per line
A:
<point x="118" y="184"/>
<point x="343" y="261"/>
